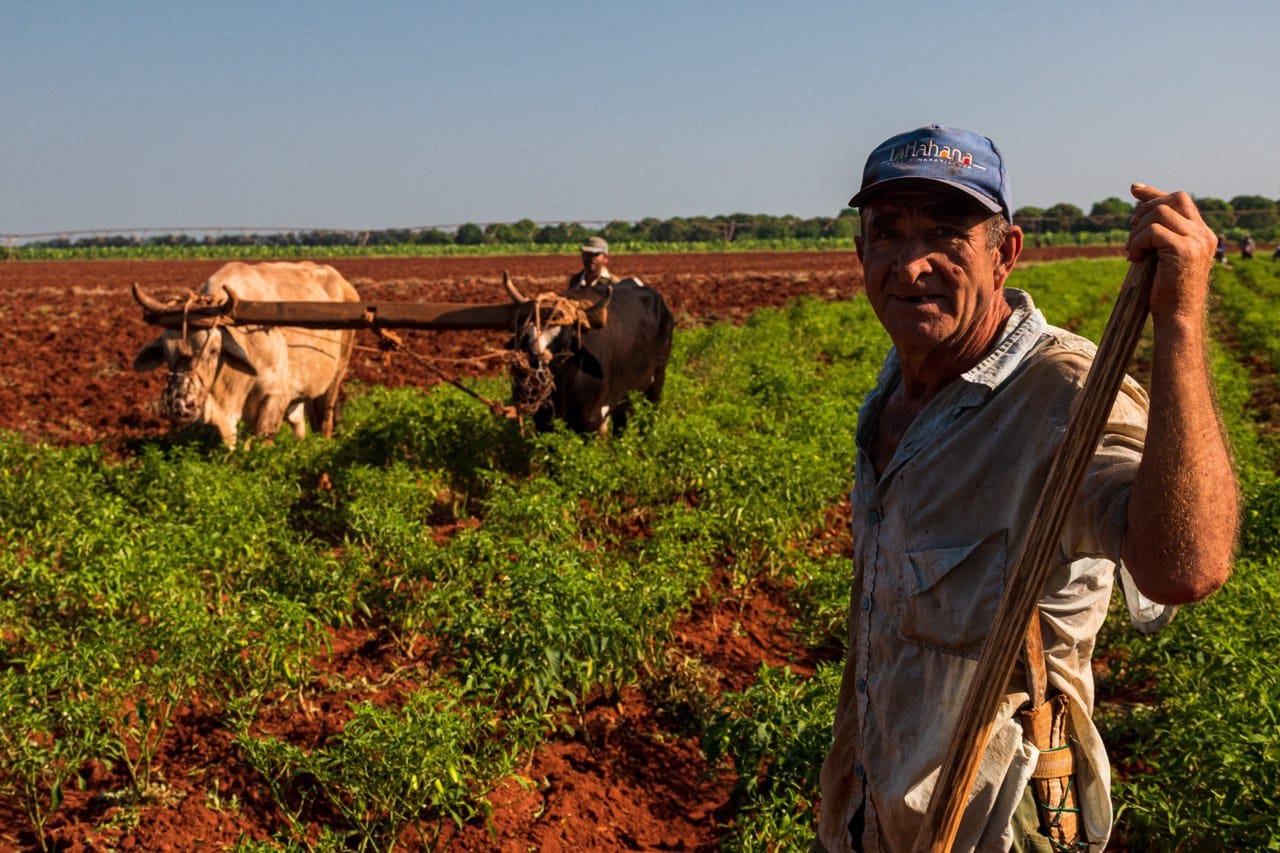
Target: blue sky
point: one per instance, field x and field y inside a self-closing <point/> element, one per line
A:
<point x="374" y="115"/>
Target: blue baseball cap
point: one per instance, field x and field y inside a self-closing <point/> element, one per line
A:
<point x="960" y="159"/>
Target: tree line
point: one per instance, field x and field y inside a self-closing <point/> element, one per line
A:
<point x="1106" y="221"/>
<point x="1253" y="214"/>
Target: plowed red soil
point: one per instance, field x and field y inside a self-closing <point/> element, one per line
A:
<point x="630" y="779"/>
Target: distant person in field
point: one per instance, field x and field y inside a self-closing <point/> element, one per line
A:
<point x="1246" y="246"/>
<point x="595" y="264"/>
<point x="953" y="446"/>
<point x="1275" y="256"/>
<point x="1220" y="254"/>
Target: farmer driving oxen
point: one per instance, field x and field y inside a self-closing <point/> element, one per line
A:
<point x="595" y="264"/>
<point x="953" y="447"/>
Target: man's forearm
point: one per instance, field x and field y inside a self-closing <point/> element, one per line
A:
<point x="1183" y="508"/>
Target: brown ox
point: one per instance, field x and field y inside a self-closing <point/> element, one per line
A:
<point x="263" y="375"/>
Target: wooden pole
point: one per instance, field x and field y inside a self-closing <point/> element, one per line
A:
<point x="332" y="315"/>
<point x="1026" y="583"/>
<point x="387" y="315"/>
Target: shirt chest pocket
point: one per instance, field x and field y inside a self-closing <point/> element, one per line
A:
<point x="951" y="595"/>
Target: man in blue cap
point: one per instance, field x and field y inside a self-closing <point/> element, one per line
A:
<point x="953" y="447"/>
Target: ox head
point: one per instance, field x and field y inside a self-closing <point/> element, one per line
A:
<point x="193" y="355"/>
<point x="547" y="326"/>
<point x="553" y="323"/>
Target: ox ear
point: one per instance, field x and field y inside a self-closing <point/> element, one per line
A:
<point x="235" y="355"/>
<point x="150" y="356"/>
<point x="598" y="312"/>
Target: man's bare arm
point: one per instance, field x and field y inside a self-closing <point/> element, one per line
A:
<point x="1184" y="507"/>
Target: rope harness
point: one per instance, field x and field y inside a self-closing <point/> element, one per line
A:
<point x="389" y="342"/>
<point x="533" y="385"/>
<point x="184" y="382"/>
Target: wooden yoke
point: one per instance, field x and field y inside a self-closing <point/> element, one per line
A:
<point x="329" y="315"/>
<point x="1027" y="581"/>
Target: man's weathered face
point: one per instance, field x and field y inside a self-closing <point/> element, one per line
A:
<point x="594" y="262"/>
<point x="930" y="276"/>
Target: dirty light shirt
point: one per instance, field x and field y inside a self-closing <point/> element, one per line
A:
<point x="579" y="279"/>
<point x="934" y="541"/>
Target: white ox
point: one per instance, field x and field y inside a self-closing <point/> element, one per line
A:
<point x="263" y="375"/>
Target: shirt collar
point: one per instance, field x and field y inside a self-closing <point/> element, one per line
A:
<point x="1021" y="331"/>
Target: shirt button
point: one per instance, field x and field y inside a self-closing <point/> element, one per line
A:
<point x="857" y="770"/>
<point x="873" y="517"/>
<point x="866" y="603"/>
<point x="862" y="685"/>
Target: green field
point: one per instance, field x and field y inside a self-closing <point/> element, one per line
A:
<point x="132" y="588"/>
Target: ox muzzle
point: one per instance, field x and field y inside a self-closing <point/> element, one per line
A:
<point x="184" y="396"/>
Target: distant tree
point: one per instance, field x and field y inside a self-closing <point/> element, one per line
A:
<point x="850" y="220"/>
<point x="390" y="237"/>
<point x="669" y="231"/>
<point x="469" y="234"/>
<point x="735" y="226"/>
<point x="171" y="240"/>
<point x="701" y="229"/>
<point x="645" y="227"/>
<point x="575" y="233"/>
<point x="619" y="232"/>
<point x="432" y="237"/>
<point x="551" y="234"/>
<point x="1063" y="217"/>
<point x="813" y="229"/>
<point x="522" y="231"/>
<point x="1217" y="214"/>
<point x="1254" y="212"/>
<point x="843" y="227"/>
<point x="1030" y="219"/>
<point x="1108" y="214"/>
<point x="318" y="238"/>
<point x="765" y="227"/>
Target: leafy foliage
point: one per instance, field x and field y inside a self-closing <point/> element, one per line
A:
<point x="390" y="770"/>
<point x="774" y="731"/>
<point x="1191" y="756"/>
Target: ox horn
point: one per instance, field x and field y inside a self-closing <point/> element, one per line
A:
<point x="147" y="301"/>
<point x="516" y="295"/>
<point x="230" y="303"/>
<point x="598" y="311"/>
